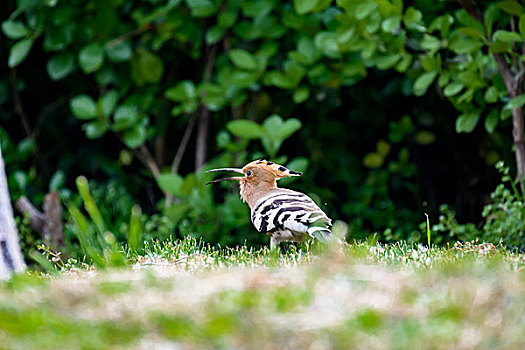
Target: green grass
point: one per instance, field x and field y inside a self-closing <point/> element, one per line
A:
<point x="190" y="295"/>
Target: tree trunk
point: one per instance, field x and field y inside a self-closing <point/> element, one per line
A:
<point x="202" y="138"/>
<point x="53" y="232"/>
<point x="49" y="223"/>
<point x="514" y="84"/>
<point x="519" y="144"/>
<point x="10" y="255"/>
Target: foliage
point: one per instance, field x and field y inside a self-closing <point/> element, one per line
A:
<point x="97" y="243"/>
<point x="503" y="217"/>
<point x="328" y="86"/>
<point x="448" y="229"/>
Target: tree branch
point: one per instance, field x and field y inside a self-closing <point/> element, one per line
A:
<point x="128" y="35"/>
<point x="201" y="146"/>
<point x="36" y="218"/>
<point x="183" y="144"/>
<point x="145" y="157"/>
<point x="180" y="152"/>
<point x="515" y="53"/>
<point x="19" y="109"/>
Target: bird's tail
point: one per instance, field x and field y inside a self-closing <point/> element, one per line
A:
<point x="323" y="235"/>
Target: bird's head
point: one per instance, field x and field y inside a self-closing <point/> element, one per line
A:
<point x="257" y="172"/>
<point x="258" y="177"/>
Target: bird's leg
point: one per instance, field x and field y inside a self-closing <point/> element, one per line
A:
<point x="274" y="243"/>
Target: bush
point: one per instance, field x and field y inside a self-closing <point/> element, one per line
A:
<point x="504" y="217"/>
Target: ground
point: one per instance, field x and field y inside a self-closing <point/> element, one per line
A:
<point x="185" y="295"/>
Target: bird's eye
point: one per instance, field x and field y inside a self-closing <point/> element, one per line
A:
<point x="248" y="173"/>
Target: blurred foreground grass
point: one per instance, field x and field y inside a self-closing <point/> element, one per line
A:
<point x="186" y="295"/>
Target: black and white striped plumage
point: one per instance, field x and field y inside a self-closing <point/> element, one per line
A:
<point x="283" y="214"/>
<point x="288" y="215"/>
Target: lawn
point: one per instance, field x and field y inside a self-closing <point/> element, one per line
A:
<point x="187" y="295"/>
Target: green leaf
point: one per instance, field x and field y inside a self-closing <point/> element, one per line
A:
<point x="95" y="129"/>
<point x="146" y="67"/>
<point x="243" y="59"/>
<point x="288" y="128"/>
<point x="461" y="45"/>
<point x="467" y="20"/>
<point x="25" y="148"/>
<point x="512" y="7"/>
<point x="304" y="6"/>
<point x="499" y="46"/>
<point x="466" y="122"/>
<point x="91" y="58"/>
<point x="90" y="204"/>
<point x="57" y="180"/>
<point x="424" y="137"/>
<point x="373" y="160"/>
<point x="301" y="94"/>
<point x="244" y="128"/>
<point x="491" y="95"/>
<point x="108" y="103"/>
<point x="201" y="8"/>
<point x="59" y="66"/>
<point x="326" y="42"/>
<point x="452" y="89"/>
<point x="273" y="123"/>
<point x="294" y="71"/>
<point x="491" y="15"/>
<point x="83" y="107"/>
<point x="14" y="30"/>
<point x="125" y="117"/>
<point x="182" y="92"/>
<point x="214" y="34"/>
<point x="430" y="42"/>
<point x="170" y="183"/>
<point x="257" y="8"/>
<point x="503" y="35"/>
<point x="280" y="130"/>
<point x="412" y="17"/>
<point x="135" y="136"/>
<point x="306" y="53"/>
<point x="391" y="23"/>
<point x="491" y="121"/>
<point x="279" y="79"/>
<point x="227" y="18"/>
<point x="364" y="9"/>
<point x="306" y="47"/>
<point x="385" y="62"/>
<point x="177" y="212"/>
<point x="135" y="227"/>
<point x="516" y="102"/>
<point x="522" y="25"/>
<point x="119" y="52"/>
<point x="58" y="38"/>
<point x="472" y="32"/>
<point x="19" y="52"/>
<point x="423" y="82"/>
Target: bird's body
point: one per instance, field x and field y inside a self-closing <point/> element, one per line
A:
<point x="283" y="214"/>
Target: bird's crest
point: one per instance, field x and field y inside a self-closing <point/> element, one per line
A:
<point x="277" y="170"/>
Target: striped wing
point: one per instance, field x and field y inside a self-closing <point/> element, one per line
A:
<point x="287" y="209"/>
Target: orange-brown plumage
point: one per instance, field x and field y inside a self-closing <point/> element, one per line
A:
<point x="284" y="214"/>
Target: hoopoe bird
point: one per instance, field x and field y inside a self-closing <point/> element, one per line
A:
<point x="283" y="214"/>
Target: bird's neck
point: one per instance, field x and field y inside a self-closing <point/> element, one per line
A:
<point x="251" y="193"/>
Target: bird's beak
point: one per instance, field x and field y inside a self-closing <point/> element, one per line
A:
<point x="226" y="178"/>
